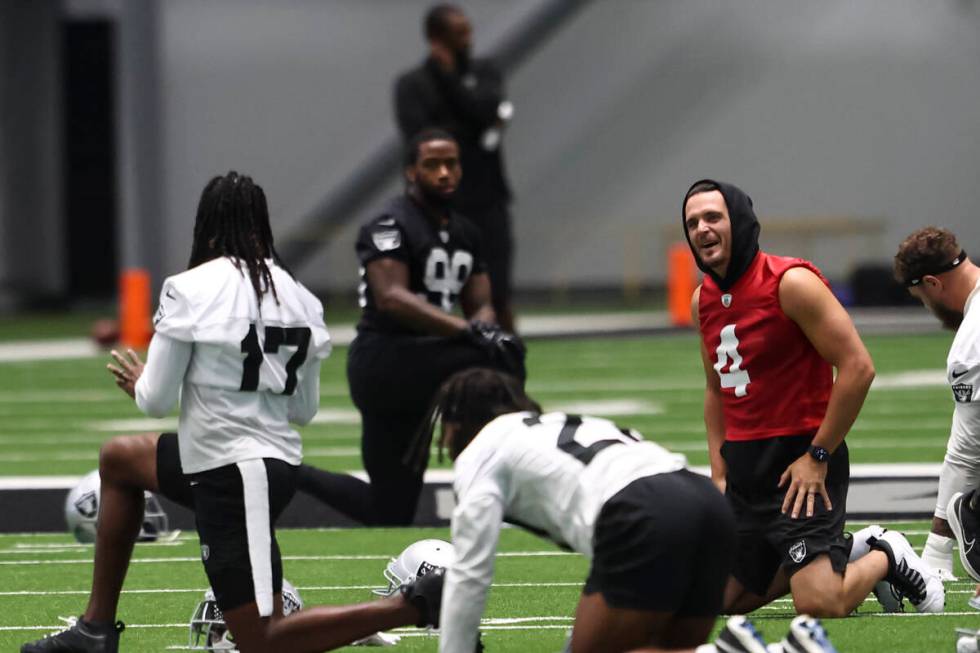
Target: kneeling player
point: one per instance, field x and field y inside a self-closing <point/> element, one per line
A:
<point x="660" y="536"/>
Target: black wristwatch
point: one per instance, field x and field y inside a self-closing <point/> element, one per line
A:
<point x="819" y="454"/>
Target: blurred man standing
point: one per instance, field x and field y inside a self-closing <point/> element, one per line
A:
<point x="465" y="96"/>
<point x="937" y="272"/>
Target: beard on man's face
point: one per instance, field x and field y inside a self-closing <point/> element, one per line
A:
<point x="462" y="56"/>
<point x="949" y="318"/>
<point x="435" y="198"/>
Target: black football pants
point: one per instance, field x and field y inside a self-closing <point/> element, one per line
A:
<point x="393" y="380"/>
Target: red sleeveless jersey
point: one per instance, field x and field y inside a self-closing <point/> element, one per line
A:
<point x="773" y="381"/>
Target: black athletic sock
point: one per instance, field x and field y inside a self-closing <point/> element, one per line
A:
<point x="343" y="492"/>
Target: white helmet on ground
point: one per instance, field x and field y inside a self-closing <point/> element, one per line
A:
<point x="82" y="512"/>
<point x="208" y="631"/>
<point x="416" y="561"/>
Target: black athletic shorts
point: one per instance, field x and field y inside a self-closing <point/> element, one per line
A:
<point x="664" y="543"/>
<point x="170" y="477"/>
<point x="768" y="539"/>
<point x="236" y="507"/>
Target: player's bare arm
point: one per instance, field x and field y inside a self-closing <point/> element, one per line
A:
<point x="389" y="283"/>
<point x="806" y="300"/>
<point x="714" y="417"/>
<point x="475" y="299"/>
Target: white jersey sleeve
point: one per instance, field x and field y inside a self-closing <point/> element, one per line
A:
<point x="476" y="526"/>
<point x="175" y="316"/>
<point x="964" y="380"/>
<point x="159" y="385"/>
<point x="963" y="362"/>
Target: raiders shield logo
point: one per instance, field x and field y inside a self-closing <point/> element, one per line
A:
<point x="423" y="569"/>
<point x="798" y="551"/>
<point x="963" y="392"/>
<point x="87" y="505"/>
<point x="387" y="239"/>
<point x="726" y="300"/>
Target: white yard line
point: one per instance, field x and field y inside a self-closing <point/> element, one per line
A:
<point x="530" y="623"/>
<point x="197" y="559"/>
<point x="858" y="471"/>
<point x="40" y="350"/>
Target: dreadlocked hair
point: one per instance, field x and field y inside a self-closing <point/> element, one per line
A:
<point x="233" y="221"/>
<point x="469" y="399"/>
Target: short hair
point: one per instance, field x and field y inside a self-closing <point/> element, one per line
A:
<point x="436" y="19"/>
<point x="425" y="136"/>
<point x="704" y="186"/>
<point x="471" y="398"/>
<point x="925" y="252"/>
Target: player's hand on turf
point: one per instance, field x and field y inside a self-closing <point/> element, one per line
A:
<point x="129" y="370"/>
<point x="805" y="477"/>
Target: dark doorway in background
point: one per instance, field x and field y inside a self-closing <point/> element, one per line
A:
<point x="89" y="175"/>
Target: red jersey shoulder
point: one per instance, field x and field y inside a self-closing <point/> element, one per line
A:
<point x="780" y="265"/>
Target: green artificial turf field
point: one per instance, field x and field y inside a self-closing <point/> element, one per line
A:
<point x="54" y="414"/>
<point x="534" y="594"/>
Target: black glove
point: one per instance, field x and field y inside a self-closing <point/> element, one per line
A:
<point x="425" y="594"/>
<point x="505" y="350"/>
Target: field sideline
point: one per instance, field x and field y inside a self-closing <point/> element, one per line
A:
<point x="56" y="413"/>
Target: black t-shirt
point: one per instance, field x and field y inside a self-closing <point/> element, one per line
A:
<point x="439" y="260"/>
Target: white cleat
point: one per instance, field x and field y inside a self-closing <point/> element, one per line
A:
<point x="740" y="636"/>
<point x="967" y="640"/>
<point x="909" y="576"/>
<point x="945" y="575"/>
<point x="807" y="635"/>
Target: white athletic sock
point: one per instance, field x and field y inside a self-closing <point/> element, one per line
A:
<point x="706" y="648"/>
<point x="938" y="552"/>
<point x="859" y="541"/>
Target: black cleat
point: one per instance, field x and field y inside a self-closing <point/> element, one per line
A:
<point x="425" y="593"/>
<point x="80" y="637"/>
<point x="966" y="527"/>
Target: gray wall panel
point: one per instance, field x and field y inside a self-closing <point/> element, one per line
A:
<point x="835" y="108"/>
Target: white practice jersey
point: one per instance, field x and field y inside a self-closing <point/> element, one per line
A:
<point x="963" y="371"/>
<point x="550" y="474"/>
<point x="242" y="371"/>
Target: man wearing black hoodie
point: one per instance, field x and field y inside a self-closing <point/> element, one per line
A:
<point x="776" y="417"/>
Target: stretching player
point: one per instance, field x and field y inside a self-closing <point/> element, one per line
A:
<point x="772" y="334"/>
<point x="420" y="259"/>
<point x="659" y="536"/>
<point x="237" y="453"/>
<point x="937" y="272"/>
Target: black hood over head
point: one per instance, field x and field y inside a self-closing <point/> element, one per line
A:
<point x="745" y="231"/>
